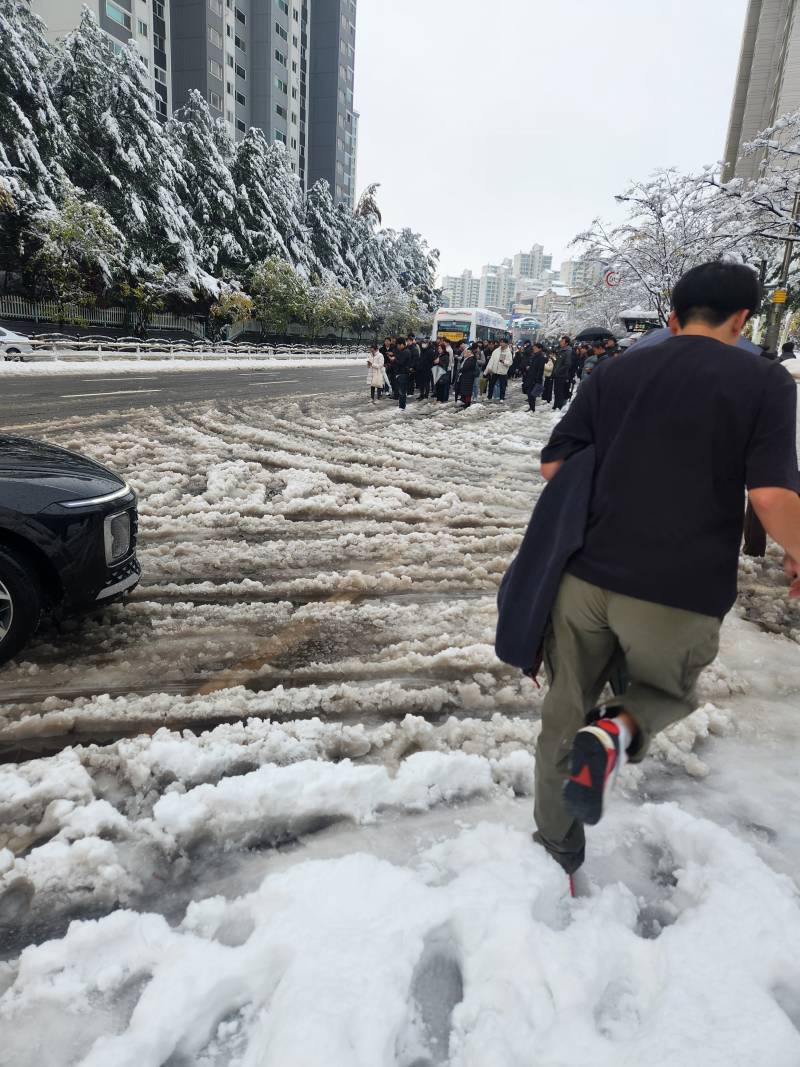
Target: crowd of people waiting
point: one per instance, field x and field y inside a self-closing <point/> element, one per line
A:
<point x="431" y="370"/>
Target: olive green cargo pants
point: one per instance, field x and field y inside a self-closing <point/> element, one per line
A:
<point x="593" y="631"/>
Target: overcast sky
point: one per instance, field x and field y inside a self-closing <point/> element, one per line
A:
<point x="496" y="124"/>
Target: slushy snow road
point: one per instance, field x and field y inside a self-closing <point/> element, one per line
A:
<point x="305" y="838"/>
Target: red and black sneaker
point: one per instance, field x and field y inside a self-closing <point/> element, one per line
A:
<point x="596" y="759"/>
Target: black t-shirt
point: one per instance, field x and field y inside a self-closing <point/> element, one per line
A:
<point x="681" y="430"/>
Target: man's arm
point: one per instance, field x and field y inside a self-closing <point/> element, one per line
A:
<point x="779" y="512"/>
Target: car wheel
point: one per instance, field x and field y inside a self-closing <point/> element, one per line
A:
<point x="20" y="603"/>
<point x="14" y="355"/>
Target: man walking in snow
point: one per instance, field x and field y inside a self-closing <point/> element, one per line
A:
<point x="681" y="431"/>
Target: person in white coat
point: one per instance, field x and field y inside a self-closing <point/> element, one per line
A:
<point x="497" y="369"/>
<point x="375" y="374"/>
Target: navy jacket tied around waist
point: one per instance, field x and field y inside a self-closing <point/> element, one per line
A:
<point x="529" y="587"/>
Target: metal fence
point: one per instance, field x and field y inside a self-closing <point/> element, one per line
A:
<point x="66" y="349"/>
<point x="19" y="307"/>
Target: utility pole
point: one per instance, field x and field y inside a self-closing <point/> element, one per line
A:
<point x="778" y="304"/>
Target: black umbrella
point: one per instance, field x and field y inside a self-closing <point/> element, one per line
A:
<point x="595" y="333"/>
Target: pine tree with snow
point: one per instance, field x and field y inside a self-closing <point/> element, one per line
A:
<point x="251" y="170"/>
<point x="323" y="225"/>
<point x="206" y="152"/>
<point x="119" y="153"/>
<point x="33" y="137"/>
<point x="286" y="196"/>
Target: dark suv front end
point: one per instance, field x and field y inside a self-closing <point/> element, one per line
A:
<point x="68" y="533"/>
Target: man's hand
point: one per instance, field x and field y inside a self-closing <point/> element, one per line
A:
<point x="779" y="512"/>
<point x="791" y="569"/>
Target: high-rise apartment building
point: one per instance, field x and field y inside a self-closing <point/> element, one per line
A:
<point x="284" y="66"/>
<point x="333" y="129"/>
<point x="530" y="264"/>
<point x="581" y="273"/>
<point x="147" y="22"/>
<point x="249" y="59"/>
<point x="461" y="290"/>
<point x="768" y="81"/>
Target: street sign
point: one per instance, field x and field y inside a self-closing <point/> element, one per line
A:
<point x="780" y="296"/>
<point x="612" y="279"/>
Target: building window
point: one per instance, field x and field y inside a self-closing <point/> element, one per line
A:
<point x="159" y="42"/>
<point x="216" y="7"/>
<point x="240" y="126"/>
<point x="294" y="68"/>
<point x="161" y="107"/>
<point x="281" y="58"/>
<point x="228" y="88"/>
<point x="215" y="100"/>
<point x="281" y="85"/>
<point x="295" y="41"/>
<point x="230" y="61"/>
<point x="240" y="44"/>
<point x="280" y="111"/>
<point x="281" y="32"/>
<point x="241" y="72"/>
<point x="160" y="75"/>
<point x="283" y="6"/>
<point x="215" y="68"/>
<point x="294" y="142"/>
<point x="214" y="37"/>
<point x="294" y="119"/>
<point x="142" y="28"/>
<point x="229" y="115"/>
<point x="158" y="9"/>
<point x="118" y="15"/>
<point x="241" y="17"/>
<point x="228" y="32"/>
<point x="241" y="99"/>
<point x="280" y="136"/>
<point x="294" y="93"/>
<point x="296" y="15"/>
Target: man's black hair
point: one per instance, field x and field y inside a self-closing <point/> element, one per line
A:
<point x="712" y="292"/>
<point x="788" y="346"/>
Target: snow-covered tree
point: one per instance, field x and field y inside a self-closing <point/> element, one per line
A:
<point x="231" y="307"/>
<point x="286" y="196"/>
<point x="322" y="223"/>
<point x="33" y="137"/>
<point x="280" y="295"/>
<point x="329" y="309"/>
<point x="251" y="167"/>
<point x="669" y="229"/>
<point x="119" y="153"/>
<point x="206" y="155"/>
<point x="81" y="252"/>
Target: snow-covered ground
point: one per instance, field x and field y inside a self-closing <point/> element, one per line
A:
<point x="183" y="361"/>
<point x="333" y="865"/>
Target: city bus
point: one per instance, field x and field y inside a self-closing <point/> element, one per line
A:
<point x="468" y="324"/>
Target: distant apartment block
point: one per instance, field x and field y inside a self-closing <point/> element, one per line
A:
<point x="768" y="79"/>
<point x="499" y="284"/>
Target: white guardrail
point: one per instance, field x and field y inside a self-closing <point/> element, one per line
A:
<point x="68" y="350"/>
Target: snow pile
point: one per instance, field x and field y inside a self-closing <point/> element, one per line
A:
<point x="470" y="952"/>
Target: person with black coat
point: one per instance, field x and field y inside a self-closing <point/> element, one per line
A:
<point x="424" y="369"/>
<point x="533" y="378"/>
<point x="562" y="373"/>
<point x="466" y="376"/>
<point x="442" y="361"/>
<point x="402" y="368"/>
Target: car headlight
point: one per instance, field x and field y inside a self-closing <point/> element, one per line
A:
<point x="117" y="534"/>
